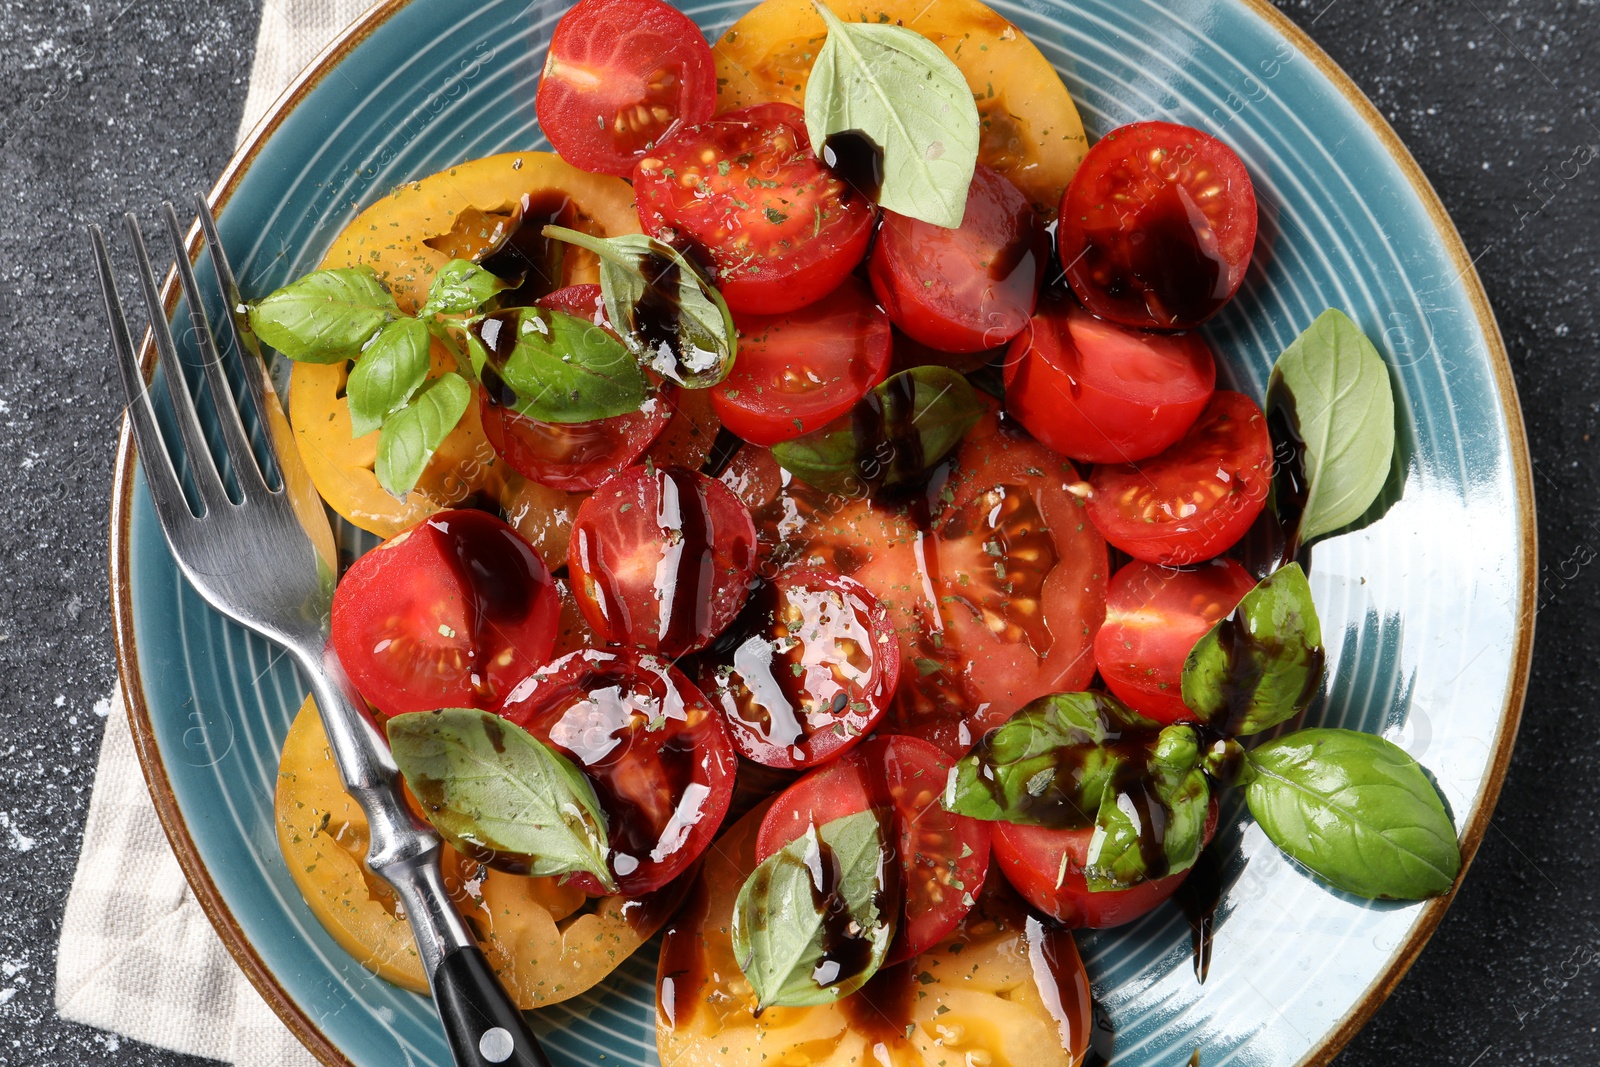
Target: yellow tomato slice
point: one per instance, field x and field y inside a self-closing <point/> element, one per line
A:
<point x="1004" y="990"/>
<point x="547" y="941"/>
<point x="1030" y="132"/>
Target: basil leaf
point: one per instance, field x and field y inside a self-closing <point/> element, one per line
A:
<point x="1152" y="818"/>
<point x="409" y="436"/>
<point x="1358" y="811"/>
<point x="895" y="434"/>
<point x="1049" y="764"/>
<point x="326" y="316"/>
<point x="391" y="368"/>
<point x="811" y="924"/>
<point x="1262" y="664"/>
<point x="561" y="368"/>
<point x="896" y="87"/>
<point x="1330" y="403"/>
<point x="459" y="288"/>
<point x="499" y="794"/>
<point x="672" y="318"/>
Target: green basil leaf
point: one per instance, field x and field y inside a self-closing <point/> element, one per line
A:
<point x="1330" y="401"/>
<point x="501" y="795"/>
<point x="326" y="316"/>
<point x="409" y="436"/>
<point x="1049" y="764"/>
<point x="459" y="288"/>
<point x="895" y="434"/>
<point x="390" y="370"/>
<point x="1358" y="811"/>
<point x="1262" y="664"/>
<point x="673" y="319"/>
<point x="896" y="87"/>
<point x="811" y="924"/>
<point x="562" y="368"/>
<point x="1151" y="821"/>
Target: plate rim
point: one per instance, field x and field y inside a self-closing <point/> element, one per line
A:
<point x="1328" y="1045"/>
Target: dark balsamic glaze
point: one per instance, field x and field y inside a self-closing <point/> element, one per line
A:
<point x="1289" y="484"/>
<point x="1199" y="896"/>
<point x="855" y="159"/>
<point x="685" y="587"/>
<point x="646" y="913"/>
<point x="682" y="965"/>
<point x="881" y="1012"/>
<point x="1102" y="1039"/>
<point x="501" y="575"/>
<point x="1168" y="267"/>
<point x="725" y="446"/>
<point x="1244" y="652"/>
<point x="888" y="445"/>
<point x="659" y="312"/>
<point x="498" y="333"/>
<point x="525" y="256"/>
<point x="1194" y="1059"/>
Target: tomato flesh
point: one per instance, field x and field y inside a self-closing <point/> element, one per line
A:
<point x="661" y="558"/>
<point x="800" y="370"/>
<point x="655" y="750"/>
<point x="622" y="77"/>
<point x="746" y="193"/>
<point x="1196" y="499"/>
<point x="1157" y="226"/>
<point x="967" y="289"/>
<point x="1103" y="393"/>
<point x="943" y="857"/>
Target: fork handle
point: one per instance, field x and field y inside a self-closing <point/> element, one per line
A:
<point x="481" y="1023"/>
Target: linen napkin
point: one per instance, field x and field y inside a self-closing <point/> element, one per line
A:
<point x="137" y="955"/>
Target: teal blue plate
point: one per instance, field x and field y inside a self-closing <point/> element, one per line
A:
<point x="1428" y="610"/>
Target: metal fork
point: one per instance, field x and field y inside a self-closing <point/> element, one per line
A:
<point x="268" y="563"/>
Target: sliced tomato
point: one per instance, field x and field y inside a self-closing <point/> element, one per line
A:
<point x="1196" y="499"/>
<point x="661" y="559"/>
<point x="802" y="369"/>
<point x="1157" y="226"/>
<point x="449" y="614"/>
<point x="1154" y="616"/>
<point x="967" y="289"/>
<point x="1103" y="393"/>
<point x="746" y="193"/>
<point x="943" y="856"/>
<point x="622" y="77"/>
<point x="656" y="751"/>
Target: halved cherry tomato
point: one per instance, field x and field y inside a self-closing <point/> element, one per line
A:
<point x="1157" y="226"/>
<point x="622" y="77"/>
<point x="1154" y="616"/>
<point x="661" y="559"/>
<point x="745" y="192"/>
<point x="449" y="614"/>
<point x="657" y="753"/>
<point x="1046" y="867"/>
<point x="806" y="670"/>
<point x="943" y="856"/>
<point x="1197" y="498"/>
<point x="967" y="289"/>
<point x="1102" y="393"/>
<point x="803" y="369"/>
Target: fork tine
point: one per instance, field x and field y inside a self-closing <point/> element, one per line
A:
<point x="171" y="506"/>
<point x="233" y="435"/>
<point x="206" y="478"/>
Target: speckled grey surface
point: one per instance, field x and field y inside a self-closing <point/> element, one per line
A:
<point x="106" y="106"/>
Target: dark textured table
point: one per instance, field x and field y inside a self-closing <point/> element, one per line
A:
<point x="107" y="106"/>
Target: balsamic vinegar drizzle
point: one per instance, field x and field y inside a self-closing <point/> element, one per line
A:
<point x="685" y="584"/>
<point x="855" y="159"/>
<point x="1199" y="896"/>
<point x="1289" y="485"/>
<point x="496" y="567"/>
<point x="525" y="255"/>
<point x="886" y="434"/>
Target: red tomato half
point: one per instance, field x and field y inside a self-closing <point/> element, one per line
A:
<point x="1154" y="616"/>
<point x="622" y="77"/>
<point x="661" y="559"/>
<point x="449" y="614"/>
<point x="806" y="671"/>
<point x="1103" y="393"/>
<point x="745" y="191"/>
<point x="967" y="289"/>
<point x="1197" y="498"/>
<point x="803" y="369"/>
<point x="1157" y="226"/>
<point x="657" y="753"/>
<point x="943" y="857"/>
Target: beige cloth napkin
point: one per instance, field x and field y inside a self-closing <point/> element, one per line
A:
<point x="137" y="955"/>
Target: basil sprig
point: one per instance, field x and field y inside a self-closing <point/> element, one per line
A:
<point x="1152" y="816"/>
<point x="498" y="793"/>
<point x="326" y="316"/>
<point x="895" y="434"/>
<point x="562" y="368"/>
<point x="391" y="369"/>
<point x="812" y="923"/>
<point x="896" y="87"/>
<point x="1261" y="665"/>
<point x="1357" y="810"/>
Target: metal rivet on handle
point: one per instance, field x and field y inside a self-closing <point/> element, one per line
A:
<point x="496" y="1044"/>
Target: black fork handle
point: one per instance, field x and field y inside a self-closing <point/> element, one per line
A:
<point x="483" y="1026"/>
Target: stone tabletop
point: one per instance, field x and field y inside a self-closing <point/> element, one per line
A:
<point x="106" y="106"/>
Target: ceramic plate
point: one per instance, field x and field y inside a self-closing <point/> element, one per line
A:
<point x="1427" y="610"/>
